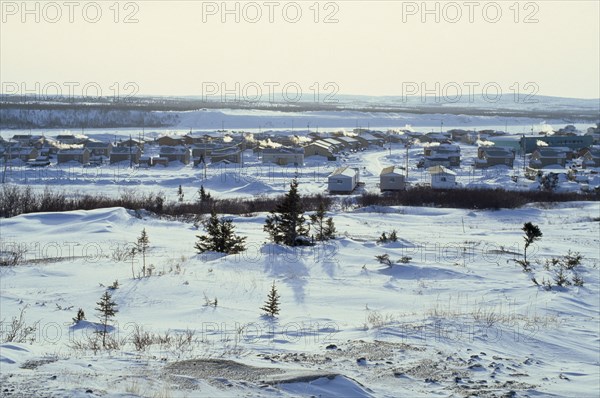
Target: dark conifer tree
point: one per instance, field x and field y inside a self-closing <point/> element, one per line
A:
<point x="286" y="224"/>
<point x="220" y="237"/>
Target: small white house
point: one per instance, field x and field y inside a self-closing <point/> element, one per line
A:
<point x="342" y="180"/>
<point x="391" y="180"/>
<point x="442" y="178"/>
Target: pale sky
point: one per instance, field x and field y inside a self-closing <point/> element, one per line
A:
<point x="374" y="48"/>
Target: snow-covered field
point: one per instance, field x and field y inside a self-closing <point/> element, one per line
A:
<point x="459" y="319"/>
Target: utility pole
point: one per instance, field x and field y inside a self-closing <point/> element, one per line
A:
<point x="406" y="170"/>
<point x="130" y="157"/>
<point x="5" y="164"/>
<point x="523" y="148"/>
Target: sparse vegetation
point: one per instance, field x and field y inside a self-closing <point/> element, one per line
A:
<point x="469" y="198"/>
<point x="405" y="259"/>
<point x="141" y="246"/>
<point x="286" y="224"/>
<point x="323" y="226"/>
<point x="16" y="199"/>
<point x="220" y="237"/>
<point x="384" y="259"/>
<point x="385" y="238"/>
<point x="563" y="271"/>
<point x="271" y="306"/>
<point x="18" y="330"/>
<point x="532" y="234"/>
<point x="79" y="317"/>
<point x="210" y="303"/>
<point x="107" y="309"/>
<point x="12" y="254"/>
<point x="180" y="194"/>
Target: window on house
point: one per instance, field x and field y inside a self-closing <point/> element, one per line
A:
<point x="443" y="179"/>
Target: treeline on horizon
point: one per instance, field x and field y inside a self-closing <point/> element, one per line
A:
<point x="15" y="111"/>
<point x="16" y="200"/>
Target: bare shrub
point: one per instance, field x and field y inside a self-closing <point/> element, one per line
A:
<point x="572" y="259"/>
<point x="122" y="252"/>
<point x="142" y="339"/>
<point x="89" y="342"/>
<point x="468" y="198"/>
<point x="12" y="254"/>
<point x="377" y="320"/>
<point x="79" y="317"/>
<point x="183" y="342"/>
<point x="17" y="330"/>
<point x="560" y="278"/>
<point x="384" y="259"/>
<point x="577" y="280"/>
<point x="385" y="238"/>
<point x="210" y="303"/>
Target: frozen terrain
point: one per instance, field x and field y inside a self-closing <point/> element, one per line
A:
<point x="460" y="318"/>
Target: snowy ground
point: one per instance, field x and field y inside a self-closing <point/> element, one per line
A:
<point x="459" y="319"/>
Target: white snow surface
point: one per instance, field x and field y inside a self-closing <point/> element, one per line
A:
<point x="460" y="318"/>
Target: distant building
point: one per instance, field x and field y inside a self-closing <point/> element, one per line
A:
<point x="160" y="161"/>
<point x="28" y="140"/>
<point x="283" y="156"/>
<point x="488" y="156"/>
<point x="342" y="180"/>
<point x="168" y="140"/>
<point x="442" y="178"/>
<point x="391" y="180"/>
<point x="442" y="154"/>
<point x="175" y="154"/>
<point x="125" y="154"/>
<point x="432" y="161"/>
<point x="349" y="142"/>
<point x="229" y="155"/>
<point x="367" y="139"/>
<point x="71" y="139"/>
<point x="573" y="142"/>
<point x="335" y="145"/>
<point x="80" y="155"/>
<point x="131" y="142"/>
<point x="319" y="148"/>
<point x="591" y="158"/>
<point x="24" y="154"/>
<point x="98" y="148"/>
<point x="547" y="156"/>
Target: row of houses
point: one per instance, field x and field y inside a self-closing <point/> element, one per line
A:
<point x="344" y="180"/>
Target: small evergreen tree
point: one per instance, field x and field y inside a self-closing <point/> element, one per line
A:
<point x="324" y="227"/>
<point x="286" y="224"/>
<point x="79" y="317"/>
<point x="220" y="237"/>
<point x="180" y="194"/>
<point x="204" y="199"/>
<point x="107" y="309"/>
<point x="271" y="307"/>
<point x="141" y="247"/>
<point x="384" y="238"/>
<point x="532" y="233"/>
<point x="203" y="195"/>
